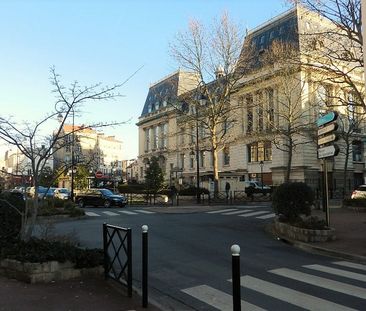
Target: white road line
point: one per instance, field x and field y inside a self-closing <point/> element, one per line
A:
<point x="322" y="282"/>
<point x="291" y="296"/>
<point x="127" y="212"/>
<point x="339" y="272"/>
<point x="222" y="211"/>
<point x="253" y="214"/>
<point x="266" y="216"/>
<point x="351" y="265"/>
<point x="217" y="298"/>
<point x="143" y="211"/>
<point x="238" y="212"/>
<point x="110" y="213"/>
<point x="91" y="214"/>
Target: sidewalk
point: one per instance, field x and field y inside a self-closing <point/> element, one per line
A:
<point x="350" y="243"/>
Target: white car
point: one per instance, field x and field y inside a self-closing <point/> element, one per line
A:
<point x="359" y="192"/>
<point x="62" y="193"/>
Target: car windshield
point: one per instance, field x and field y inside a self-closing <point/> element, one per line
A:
<point x="106" y="192"/>
<point x="63" y="190"/>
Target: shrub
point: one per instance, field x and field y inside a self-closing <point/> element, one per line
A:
<point x="313" y="223"/>
<point x="38" y="250"/>
<point x="10" y="219"/>
<point x="292" y="200"/>
<point x="192" y="191"/>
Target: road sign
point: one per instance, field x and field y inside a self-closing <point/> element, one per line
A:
<point x="328" y="151"/>
<point x="327" y="139"/>
<point x="328" y="128"/>
<point x="99" y="174"/>
<point x="327" y="118"/>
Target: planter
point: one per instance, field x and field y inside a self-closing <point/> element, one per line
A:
<point x="44" y="272"/>
<point x="304" y="235"/>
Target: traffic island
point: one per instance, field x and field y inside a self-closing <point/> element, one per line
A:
<point x="302" y="234"/>
<point x="45" y="272"/>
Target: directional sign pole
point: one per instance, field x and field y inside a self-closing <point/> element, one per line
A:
<point x="325" y="192"/>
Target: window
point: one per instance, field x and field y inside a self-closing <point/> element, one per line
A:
<point x="193" y="135"/>
<point x="260" y="151"/>
<point x="202" y="158"/>
<point x="147" y="139"/>
<point x="260" y="112"/>
<point x="157" y="104"/>
<point x="165" y="135"/>
<point x="191" y="160"/>
<point x="249" y="102"/>
<point x="149" y="108"/>
<point x="226" y="154"/>
<point x="270" y="111"/>
<point x="181" y="160"/>
<point x="357" y="151"/>
<point x="181" y="136"/>
<point x="323" y="98"/>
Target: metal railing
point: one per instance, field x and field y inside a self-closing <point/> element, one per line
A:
<point x="117" y="244"/>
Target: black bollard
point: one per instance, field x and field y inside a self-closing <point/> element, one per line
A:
<point x="235" y="255"/>
<point x="144" y="265"/>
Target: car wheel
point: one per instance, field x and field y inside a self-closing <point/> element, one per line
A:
<point x="107" y="204"/>
<point x="81" y="204"/>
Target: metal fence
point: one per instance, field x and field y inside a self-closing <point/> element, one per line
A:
<point x="117" y="244"/>
<point x="148" y="199"/>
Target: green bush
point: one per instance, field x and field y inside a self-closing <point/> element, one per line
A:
<point x="37" y="250"/>
<point x="313" y="223"/>
<point x="355" y="202"/>
<point x="11" y="203"/>
<point x="290" y="200"/>
<point x="192" y="191"/>
<point x="67" y="208"/>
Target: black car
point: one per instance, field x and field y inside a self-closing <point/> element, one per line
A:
<point x="100" y="197"/>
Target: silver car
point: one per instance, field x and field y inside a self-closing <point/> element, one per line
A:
<point x="359" y="192"/>
<point x="62" y="193"/>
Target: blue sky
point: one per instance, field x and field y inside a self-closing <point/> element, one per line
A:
<point x="100" y="41"/>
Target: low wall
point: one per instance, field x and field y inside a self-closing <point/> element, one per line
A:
<point x="304" y="235"/>
<point x="44" y="272"/>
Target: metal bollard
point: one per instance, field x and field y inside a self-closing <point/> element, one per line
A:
<point x="235" y="255"/>
<point x="145" y="228"/>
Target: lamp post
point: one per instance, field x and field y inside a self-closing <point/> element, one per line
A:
<point x="201" y="101"/>
<point x="261" y="163"/>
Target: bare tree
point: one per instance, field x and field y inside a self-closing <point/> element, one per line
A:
<point x="332" y="45"/>
<point x="217" y="59"/>
<point x="29" y="139"/>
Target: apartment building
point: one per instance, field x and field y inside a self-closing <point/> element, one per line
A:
<point x="269" y="95"/>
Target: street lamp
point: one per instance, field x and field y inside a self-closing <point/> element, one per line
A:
<point x="261" y="163"/>
<point x="202" y="102"/>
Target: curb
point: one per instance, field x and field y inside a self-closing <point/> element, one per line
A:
<point x="316" y="249"/>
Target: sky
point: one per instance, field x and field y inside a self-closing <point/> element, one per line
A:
<point x="106" y="41"/>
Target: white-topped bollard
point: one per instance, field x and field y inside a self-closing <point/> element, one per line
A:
<point x="235" y="259"/>
<point x="144" y="228"/>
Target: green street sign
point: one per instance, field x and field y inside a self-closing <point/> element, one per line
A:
<point x="327" y="118"/>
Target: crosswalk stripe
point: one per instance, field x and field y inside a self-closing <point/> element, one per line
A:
<point x="253" y="214"/>
<point x="351" y="265"/>
<point x="238" y="212"/>
<point x="143" y="211"/>
<point x="91" y="214"/>
<point x="217" y="298"/>
<point x="127" y="212"/>
<point x="291" y="296"/>
<point x="222" y="210"/>
<point x="339" y="272"/>
<point x="322" y="282"/>
<point x="267" y="216"/>
<point x="110" y="213"/>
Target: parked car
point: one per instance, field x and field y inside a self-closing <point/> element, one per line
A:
<point x="62" y="193"/>
<point x="359" y="192"/>
<point x="44" y="193"/>
<point x="100" y="197"/>
<point x="256" y="187"/>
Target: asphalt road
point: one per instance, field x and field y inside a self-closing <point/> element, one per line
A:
<point x="190" y="261"/>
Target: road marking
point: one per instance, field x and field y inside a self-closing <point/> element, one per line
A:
<point x="143" y="211"/>
<point x="127" y="212"/>
<point x="222" y="211"/>
<point x="110" y="213"/>
<point x="322" y="282"/>
<point x="254" y="214"/>
<point x="339" y="272"/>
<point x="238" y="212"/>
<point x="291" y="296"/>
<point x="91" y="214"/>
<point x="217" y="298"/>
<point x="266" y="216"/>
<point x="351" y="265"/>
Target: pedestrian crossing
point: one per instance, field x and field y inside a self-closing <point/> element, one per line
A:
<point x="117" y="213"/>
<point x="247" y="211"/>
<point x="321" y="292"/>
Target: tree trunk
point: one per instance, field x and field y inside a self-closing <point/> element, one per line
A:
<point x="289" y="162"/>
<point x="215" y="165"/>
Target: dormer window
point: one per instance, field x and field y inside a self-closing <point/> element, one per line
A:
<point x="156" y="105"/>
<point x="149" y="108"/>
